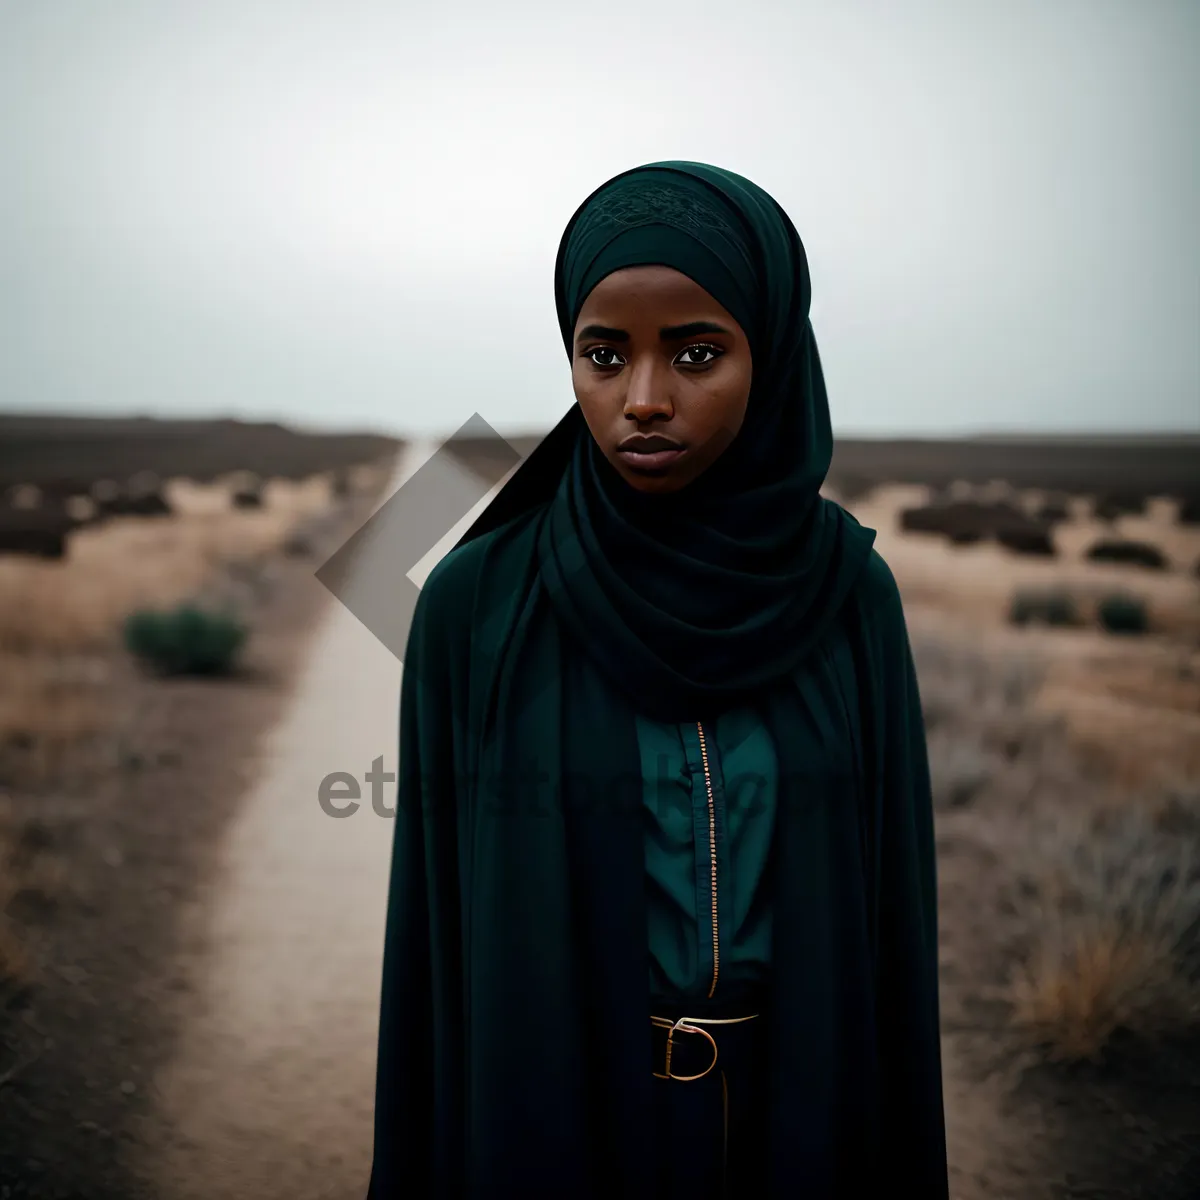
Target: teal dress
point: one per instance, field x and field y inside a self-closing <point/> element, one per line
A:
<point x="710" y="792"/>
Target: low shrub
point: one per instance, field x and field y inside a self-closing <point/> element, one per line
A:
<point x="1189" y="510"/>
<point x="964" y="535"/>
<point x="1119" y="504"/>
<point x="965" y="522"/>
<point x="247" y="498"/>
<point x="1120" y="613"/>
<point x="129" y="503"/>
<point x="1044" y="607"/>
<point x="297" y="545"/>
<point x="1053" y="511"/>
<point x="926" y="518"/>
<point x="185" y="641"/>
<point x="962" y="521"/>
<point x="1030" y="539"/>
<point x="34" y="533"/>
<point x="1139" y="554"/>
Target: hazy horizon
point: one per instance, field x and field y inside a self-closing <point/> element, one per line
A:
<point x="1015" y="436"/>
<point x="347" y="217"/>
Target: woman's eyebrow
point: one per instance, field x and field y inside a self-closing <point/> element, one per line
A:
<point x="603" y="332"/>
<point x="673" y="333"/>
<point x="670" y="333"/>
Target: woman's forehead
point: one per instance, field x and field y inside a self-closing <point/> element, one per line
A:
<point x="651" y="282"/>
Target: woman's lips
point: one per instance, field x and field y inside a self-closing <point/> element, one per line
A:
<point x="653" y="460"/>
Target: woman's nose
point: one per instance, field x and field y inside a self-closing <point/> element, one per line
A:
<point x="648" y="393"/>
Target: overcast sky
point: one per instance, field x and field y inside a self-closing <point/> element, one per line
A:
<point x="346" y="213"/>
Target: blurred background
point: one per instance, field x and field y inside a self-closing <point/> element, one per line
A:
<point x="260" y="259"/>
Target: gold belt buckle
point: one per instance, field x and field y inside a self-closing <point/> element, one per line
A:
<point x="691" y="1025"/>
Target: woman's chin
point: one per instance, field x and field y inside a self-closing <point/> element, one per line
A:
<point x="653" y="483"/>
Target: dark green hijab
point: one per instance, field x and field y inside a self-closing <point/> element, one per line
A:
<point x="697" y="599"/>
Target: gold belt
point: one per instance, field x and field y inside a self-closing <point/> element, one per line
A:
<point x="692" y="1025"/>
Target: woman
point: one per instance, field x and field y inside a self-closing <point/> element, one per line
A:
<point x="662" y="919"/>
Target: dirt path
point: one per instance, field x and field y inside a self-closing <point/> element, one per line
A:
<point x="270" y="1091"/>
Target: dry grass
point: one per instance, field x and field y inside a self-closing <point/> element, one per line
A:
<point x="978" y="582"/>
<point x="1112" y="901"/>
<point x="77" y="605"/>
<point x="987" y="743"/>
<point x="1073" y="996"/>
<point x="1134" y="745"/>
<point x="60" y="622"/>
<point x="1132" y="709"/>
<point x="1128" y="707"/>
<point x="1091" y="928"/>
<point x="68" y="718"/>
<point x="60" y="626"/>
<point x="16" y="961"/>
<point x="48" y="705"/>
<point x="303" y="498"/>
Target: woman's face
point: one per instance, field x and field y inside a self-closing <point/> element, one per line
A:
<point x="662" y="374"/>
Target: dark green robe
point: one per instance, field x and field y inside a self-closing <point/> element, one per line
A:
<point x="514" y="1047"/>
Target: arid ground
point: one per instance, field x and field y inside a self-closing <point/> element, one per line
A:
<point x="189" y="945"/>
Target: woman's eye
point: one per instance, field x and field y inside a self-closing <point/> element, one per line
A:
<point x="712" y="351"/>
<point x="699" y="355"/>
